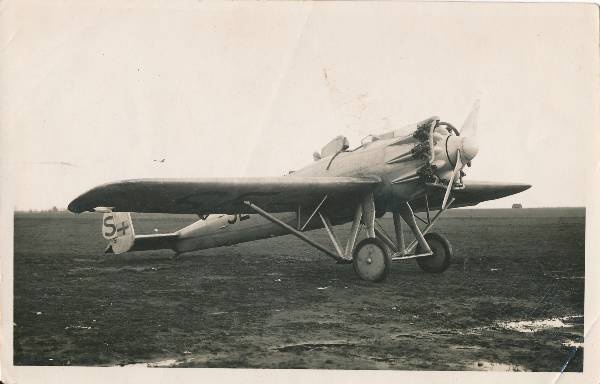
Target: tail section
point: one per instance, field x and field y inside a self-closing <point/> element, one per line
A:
<point x="117" y="228"/>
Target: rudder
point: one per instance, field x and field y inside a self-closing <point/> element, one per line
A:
<point x="117" y="228"/>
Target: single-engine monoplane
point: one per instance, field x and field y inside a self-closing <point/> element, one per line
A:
<point x="419" y="168"/>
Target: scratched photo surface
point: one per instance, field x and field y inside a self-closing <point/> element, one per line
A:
<point x="369" y="98"/>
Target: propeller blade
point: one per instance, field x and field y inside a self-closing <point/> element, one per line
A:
<point x="459" y="165"/>
<point x="469" y="128"/>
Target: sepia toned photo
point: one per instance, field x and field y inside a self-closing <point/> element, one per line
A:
<point x="339" y="188"/>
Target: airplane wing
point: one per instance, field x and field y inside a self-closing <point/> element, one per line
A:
<point x="473" y="193"/>
<point x="476" y="192"/>
<point x="219" y="195"/>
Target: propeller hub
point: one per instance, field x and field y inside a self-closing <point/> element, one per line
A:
<point x="460" y="150"/>
<point x="469" y="148"/>
<point x="453" y="145"/>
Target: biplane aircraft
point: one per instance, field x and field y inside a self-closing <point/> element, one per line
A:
<point x="419" y="168"/>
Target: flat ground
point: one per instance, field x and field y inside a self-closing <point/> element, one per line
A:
<point x="279" y="303"/>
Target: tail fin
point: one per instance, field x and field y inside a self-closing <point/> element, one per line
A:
<point x="117" y="228"/>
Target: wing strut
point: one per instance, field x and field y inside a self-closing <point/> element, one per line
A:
<point x="311" y="215"/>
<point x="339" y="258"/>
<point x="365" y="212"/>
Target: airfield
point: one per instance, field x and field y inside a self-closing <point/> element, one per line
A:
<point x="512" y="300"/>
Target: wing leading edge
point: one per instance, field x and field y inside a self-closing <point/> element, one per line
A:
<point x="476" y="192"/>
<point x="207" y="196"/>
<point x="473" y="193"/>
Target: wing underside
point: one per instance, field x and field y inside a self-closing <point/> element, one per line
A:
<point x="207" y="196"/>
<point x="473" y="193"/>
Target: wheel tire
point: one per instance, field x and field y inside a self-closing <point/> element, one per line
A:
<point x="442" y="253"/>
<point x="371" y="260"/>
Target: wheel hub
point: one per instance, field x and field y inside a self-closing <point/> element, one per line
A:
<point x="371" y="260"/>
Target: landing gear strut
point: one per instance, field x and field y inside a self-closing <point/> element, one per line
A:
<point x="431" y="250"/>
<point x="372" y="257"/>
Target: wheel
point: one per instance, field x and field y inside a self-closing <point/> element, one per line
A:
<point x="371" y="260"/>
<point x="442" y="253"/>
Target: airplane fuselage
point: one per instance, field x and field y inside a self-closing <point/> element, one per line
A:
<point x="368" y="160"/>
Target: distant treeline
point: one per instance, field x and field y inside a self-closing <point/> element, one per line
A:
<point x="51" y="210"/>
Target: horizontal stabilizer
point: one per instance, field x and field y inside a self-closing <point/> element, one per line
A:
<point x="149" y="242"/>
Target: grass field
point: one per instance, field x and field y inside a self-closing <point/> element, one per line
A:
<point x="279" y="303"/>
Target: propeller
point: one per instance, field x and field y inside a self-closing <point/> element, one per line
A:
<point x="457" y="168"/>
<point x="463" y="148"/>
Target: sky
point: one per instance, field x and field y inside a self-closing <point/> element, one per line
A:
<point x="93" y="92"/>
